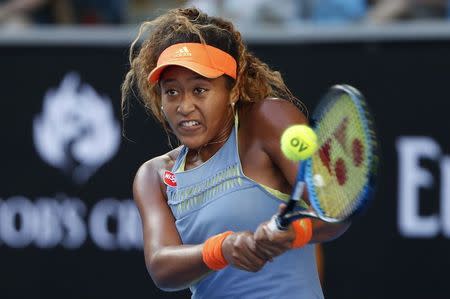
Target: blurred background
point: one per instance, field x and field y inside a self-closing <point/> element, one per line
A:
<point x="68" y="225"/>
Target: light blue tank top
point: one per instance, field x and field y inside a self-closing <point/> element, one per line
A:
<point x="215" y="197"/>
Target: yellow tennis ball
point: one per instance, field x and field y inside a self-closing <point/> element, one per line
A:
<point x="298" y="142"/>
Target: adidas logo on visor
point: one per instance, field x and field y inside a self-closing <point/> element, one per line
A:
<point x="184" y="51"/>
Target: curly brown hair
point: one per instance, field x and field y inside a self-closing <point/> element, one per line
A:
<point x="255" y="80"/>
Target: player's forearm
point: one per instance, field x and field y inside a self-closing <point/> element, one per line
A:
<point x="177" y="267"/>
<point x="324" y="232"/>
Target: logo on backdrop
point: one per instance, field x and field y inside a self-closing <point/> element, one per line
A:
<point x="414" y="178"/>
<point x="76" y="131"/>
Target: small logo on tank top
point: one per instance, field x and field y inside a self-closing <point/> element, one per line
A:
<point x="169" y="179"/>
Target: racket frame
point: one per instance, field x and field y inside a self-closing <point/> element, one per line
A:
<point x="305" y="176"/>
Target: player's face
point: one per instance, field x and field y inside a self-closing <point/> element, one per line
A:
<point x="197" y="108"/>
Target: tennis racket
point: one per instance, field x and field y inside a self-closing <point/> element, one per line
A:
<point x="340" y="175"/>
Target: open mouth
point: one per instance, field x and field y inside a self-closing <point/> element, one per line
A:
<point x="189" y="124"/>
<point x="189" y="127"/>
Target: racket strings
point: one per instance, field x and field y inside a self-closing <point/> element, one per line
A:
<point x="342" y="165"/>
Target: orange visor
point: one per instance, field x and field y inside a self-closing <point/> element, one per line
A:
<point x="205" y="60"/>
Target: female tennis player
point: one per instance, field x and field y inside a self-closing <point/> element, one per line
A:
<point x="205" y="204"/>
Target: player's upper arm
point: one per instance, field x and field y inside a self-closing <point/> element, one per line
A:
<point x="158" y="223"/>
<point x="271" y="117"/>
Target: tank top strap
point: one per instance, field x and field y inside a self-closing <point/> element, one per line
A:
<point x="178" y="166"/>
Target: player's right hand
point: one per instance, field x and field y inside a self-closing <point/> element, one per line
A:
<point x="239" y="250"/>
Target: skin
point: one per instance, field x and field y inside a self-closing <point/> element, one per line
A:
<point x="186" y="96"/>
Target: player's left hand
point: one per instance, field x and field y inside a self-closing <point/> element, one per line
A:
<point x="271" y="243"/>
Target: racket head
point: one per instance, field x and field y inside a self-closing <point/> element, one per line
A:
<point x="340" y="176"/>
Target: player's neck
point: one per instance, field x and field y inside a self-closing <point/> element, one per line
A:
<point x="196" y="157"/>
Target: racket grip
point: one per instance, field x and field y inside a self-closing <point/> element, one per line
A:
<point x="278" y="223"/>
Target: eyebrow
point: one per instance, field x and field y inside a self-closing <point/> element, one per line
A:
<point x="193" y="78"/>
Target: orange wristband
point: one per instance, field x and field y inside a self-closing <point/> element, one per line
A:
<point x="303" y="232"/>
<point x="212" y="251"/>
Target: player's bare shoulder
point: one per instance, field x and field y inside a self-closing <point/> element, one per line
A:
<point x="149" y="177"/>
<point x="271" y="114"/>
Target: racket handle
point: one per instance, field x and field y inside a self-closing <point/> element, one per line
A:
<point x="278" y="222"/>
<point x="289" y="207"/>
